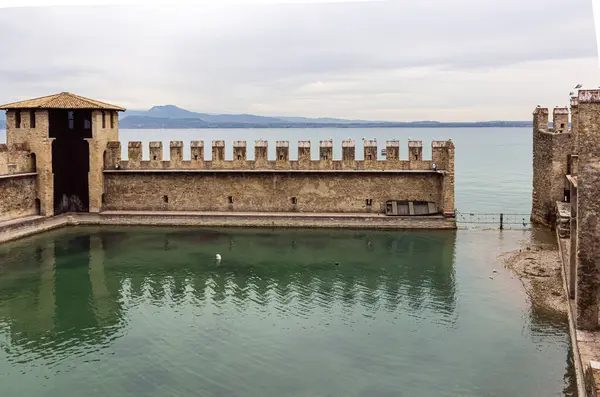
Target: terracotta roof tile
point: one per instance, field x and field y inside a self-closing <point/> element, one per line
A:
<point x="64" y="100"/>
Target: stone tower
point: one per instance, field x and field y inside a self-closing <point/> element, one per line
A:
<point x="551" y="150"/>
<point x="66" y="136"/>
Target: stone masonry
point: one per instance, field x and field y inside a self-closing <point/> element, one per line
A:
<point x="326" y="186"/>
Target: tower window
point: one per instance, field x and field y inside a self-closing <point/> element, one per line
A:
<point x="71" y="118"/>
<point x="325" y="157"/>
<point x="369" y="157"/>
<point x="281" y="157"/>
<point x="166" y="199"/>
<point x="369" y="202"/>
<point x="239" y="156"/>
<point x="294" y="200"/>
<point x="103" y="119"/>
<point x="18" y="119"/>
<point x="195" y="157"/>
<point x="230" y="199"/>
<point x="32" y="119"/>
<point x="112" y="120"/>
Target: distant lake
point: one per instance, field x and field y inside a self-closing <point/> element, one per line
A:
<point x="493" y="166"/>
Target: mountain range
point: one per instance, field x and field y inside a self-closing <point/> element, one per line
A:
<point x="171" y="116"/>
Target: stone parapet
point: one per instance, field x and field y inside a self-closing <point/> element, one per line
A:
<point x="442" y="157"/>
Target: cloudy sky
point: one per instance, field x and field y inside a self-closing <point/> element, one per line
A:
<point x="379" y="60"/>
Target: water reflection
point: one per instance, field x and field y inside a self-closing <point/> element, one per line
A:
<point x="382" y="304"/>
<point x="76" y="286"/>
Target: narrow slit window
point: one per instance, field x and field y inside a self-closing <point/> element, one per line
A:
<point x="369" y="202"/>
<point x="103" y="119"/>
<point x="294" y="200"/>
<point x="230" y="199"/>
<point x="195" y="157"/>
<point x="18" y="119"/>
<point x="112" y="119"/>
<point x="166" y="199"/>
<point x="71" y="119"/>
<point x="32" y="119"/>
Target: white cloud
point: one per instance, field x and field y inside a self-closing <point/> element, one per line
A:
<point x="431" y="59"/>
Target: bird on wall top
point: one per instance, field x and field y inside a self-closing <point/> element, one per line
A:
<point x="578" y="86"/>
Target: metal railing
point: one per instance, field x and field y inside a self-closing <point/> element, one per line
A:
<point x="501" y="219"/>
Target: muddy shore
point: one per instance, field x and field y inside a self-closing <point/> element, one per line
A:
<point x="538" y="266"/>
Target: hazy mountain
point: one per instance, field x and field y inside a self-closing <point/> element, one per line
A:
<point x="174" y="112"/>
<point x="171" y="116"/>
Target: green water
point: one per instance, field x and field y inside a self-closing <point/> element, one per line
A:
<point x="149" y="312"/>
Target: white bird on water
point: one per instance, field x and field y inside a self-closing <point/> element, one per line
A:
<point x="218" y="257"/>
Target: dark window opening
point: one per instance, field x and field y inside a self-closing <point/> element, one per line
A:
<point x="87" y="121"/>
<point x="325" y="157"/>
<point x="102" y="199"/>
<point x="195" y="157"/>
<point x="33" y="162"/>
<point x="562" y="125"/>
<point x="18" y="119"/>
<point x="568" y="164"/>
<point x="294" y="200"/>
<point x="416" y="156"/>
<point x="71" y="118"/>
<point x="103" y="119"/>
<point x="166" y="199"/>
<point x="32" y="119"/>
<point x="230" y="199"/>
<point x="567" y="195"/>
<point x="38" y="207"/>
<point x="239" y="156"/>
<point x="112" y="120"/>
<point x="369" y="202"/>
<point x="154" y="157"/>
<point x="369" y="157"/>
<point x="281" y="157"/>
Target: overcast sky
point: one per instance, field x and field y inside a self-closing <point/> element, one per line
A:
<point x="397" y="60"/>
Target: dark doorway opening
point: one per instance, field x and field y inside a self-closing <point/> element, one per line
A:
<point x="70" y="160"/>
<point x="38" y="207"/>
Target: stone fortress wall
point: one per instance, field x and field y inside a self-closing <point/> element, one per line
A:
<point x="281" y="185"/>
<point x="551" y="149"/>
<point x="66" y="147"/>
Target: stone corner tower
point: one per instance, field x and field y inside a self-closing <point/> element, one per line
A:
<point x="66" y="136"/>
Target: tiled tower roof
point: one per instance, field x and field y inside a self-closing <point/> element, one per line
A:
<point x="64" y="100"/>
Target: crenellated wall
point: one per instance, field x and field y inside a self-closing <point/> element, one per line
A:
<point x="276" y="185"/>
<point x="17" y="182"/>
<point x="551" y="150"/>
<point x="442" y="157"/>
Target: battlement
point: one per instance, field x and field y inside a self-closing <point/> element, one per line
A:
<point x="588" y="96"/>
<point x="16" y="159"/>
<point x="442" y="157"/>
<point x="560" y="120"/>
